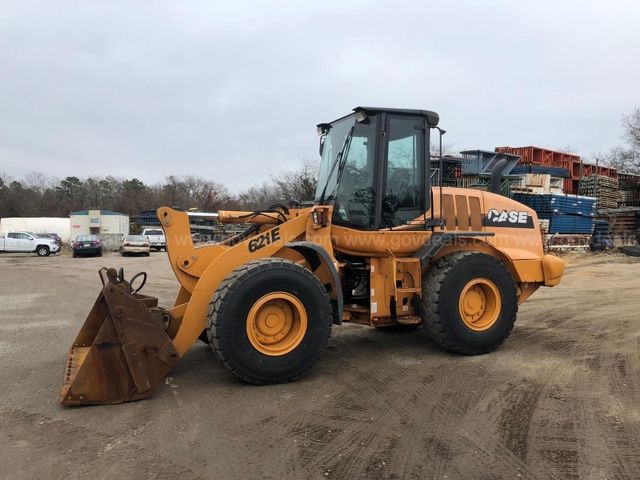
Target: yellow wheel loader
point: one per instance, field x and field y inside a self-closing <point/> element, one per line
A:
<point x="381" y="246"/>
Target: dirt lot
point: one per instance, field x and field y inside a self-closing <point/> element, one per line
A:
<point x="560" y="400"/>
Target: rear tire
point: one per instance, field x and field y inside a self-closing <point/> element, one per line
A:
<point x="269" y="321"/>
<point x="469" y="303"/>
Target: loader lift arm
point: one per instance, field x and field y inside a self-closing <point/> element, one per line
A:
<point x="200" y="270"/>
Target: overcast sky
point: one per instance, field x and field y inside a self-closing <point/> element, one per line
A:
<point x="232" y="90"/>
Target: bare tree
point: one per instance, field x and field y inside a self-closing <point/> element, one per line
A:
<point x="39" y="182"/>
<point x="626" y="158"/>
<point x="40" y="195"/>
<point x="261" y="197"/>
<point x="298" y="185"/>
<point x="623" y="159"/>
<point x="631" y="125"/>
<point x="447" y="148"/>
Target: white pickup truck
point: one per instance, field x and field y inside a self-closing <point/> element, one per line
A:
<point x="155" y="237"/>
<point x="27" y="242"/>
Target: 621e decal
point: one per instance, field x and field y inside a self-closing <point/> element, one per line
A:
<point x="264" y="239"/>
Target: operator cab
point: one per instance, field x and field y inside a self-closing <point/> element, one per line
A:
<point x="375" y="167"/>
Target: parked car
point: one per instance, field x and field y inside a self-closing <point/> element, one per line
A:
<point x="87" y="245"/>
<point x="155" y="237"/>
<point x="56" y="237"/>
<point x="26" y="242"/>
<point x="50" y="236"/>
<point x="134" y="244"/>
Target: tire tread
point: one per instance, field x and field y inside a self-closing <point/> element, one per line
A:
<point x="221" y="299"/>
<point x="432" y="286"/>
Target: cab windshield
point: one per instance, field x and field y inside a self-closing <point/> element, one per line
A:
<point x="332" y="144"/>
<point x="346" y="176"/>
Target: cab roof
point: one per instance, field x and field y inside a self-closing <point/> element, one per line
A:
<point x="432" y="117"/>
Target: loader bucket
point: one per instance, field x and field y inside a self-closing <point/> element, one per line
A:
<point x="121" y="352"/>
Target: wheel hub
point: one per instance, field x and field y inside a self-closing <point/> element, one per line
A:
<point x="480" y="304"/>
<point x="276" y="323"/>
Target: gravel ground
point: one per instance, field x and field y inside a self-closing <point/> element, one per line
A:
<point x="560" y="400"/>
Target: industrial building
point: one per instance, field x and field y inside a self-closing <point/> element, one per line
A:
<point x="109" y="226"/>
<point x="146" y="218"/>
<point x="59" y="226"/>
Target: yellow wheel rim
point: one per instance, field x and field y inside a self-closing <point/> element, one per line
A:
<point x="480" y="304"/>
<point x="276" y="323"/>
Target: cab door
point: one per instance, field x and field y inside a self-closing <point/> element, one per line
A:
<point x="403" y="199"/>
<point x="28" y="243"/>
<point x="12" y="242"/>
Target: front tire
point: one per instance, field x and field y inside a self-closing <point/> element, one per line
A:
<point x="469" y="303"/>
<point x="269" y="321"/>
<point x="43" y="251"/>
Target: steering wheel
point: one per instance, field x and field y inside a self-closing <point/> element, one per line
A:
<point x="358" y="207"/>
<point x="391" y="201"/>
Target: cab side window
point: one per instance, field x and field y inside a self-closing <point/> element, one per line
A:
<point x="405" y="168"/>
<point x="13" y="235"/>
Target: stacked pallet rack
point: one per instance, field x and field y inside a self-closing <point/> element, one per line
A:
<point x="629" y="189"/>
<point x="451" y="171"/>
<point x="478" y="161"/>
<point x="605" y="189"/>
<point x="549" y="158"/>
<point x="477" y="167"/>
<point x="540" y="179"/>
<point x="567" y="214"/>
<point x="539" y="183"/>
<point x="482" y="182"/>
<point x="623" y="224"/>
<point x="572" y="162"/>
<point x="601" y="237"/>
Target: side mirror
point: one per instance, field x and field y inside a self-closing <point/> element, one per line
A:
<point x="323" y="129"/>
